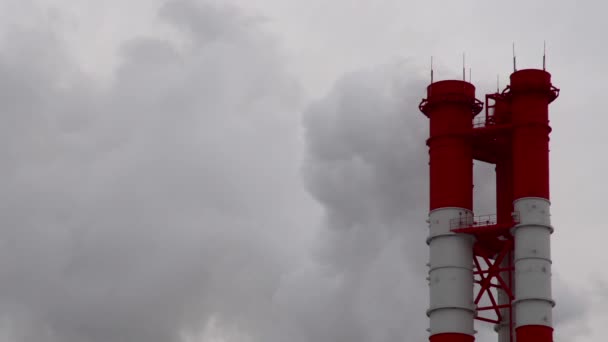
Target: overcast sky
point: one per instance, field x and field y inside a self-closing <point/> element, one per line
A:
<point x="256" y="170"/>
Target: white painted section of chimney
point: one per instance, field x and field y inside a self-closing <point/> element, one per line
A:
<point x="533" y="300"/>
<point x="450" y="274"/>
<point x="503" y="328"/>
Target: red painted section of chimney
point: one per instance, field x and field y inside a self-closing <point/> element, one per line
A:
<point x="534" y="333"/>
<point x="530" y="98"/>
<point x="504" y="164"/>
<point x="450" y="109"/>
<point x="452" y="338"/>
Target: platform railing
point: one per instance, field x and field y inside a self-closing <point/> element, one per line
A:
<point x="479" y="122"/>
<point x="470" y="221"/>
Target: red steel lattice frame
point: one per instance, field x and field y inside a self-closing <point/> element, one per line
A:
<point x="494" y="245"/>
<point x="493" y="271"/>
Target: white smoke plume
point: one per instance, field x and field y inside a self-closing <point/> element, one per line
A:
<point x="143" y="209"/>
<point x="167" y="205"/>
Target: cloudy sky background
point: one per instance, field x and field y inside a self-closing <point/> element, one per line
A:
<point x="237" y="170"/>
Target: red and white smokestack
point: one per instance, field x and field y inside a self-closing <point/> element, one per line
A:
<point x="450" y="106"/>
<point x="531" y="92"/>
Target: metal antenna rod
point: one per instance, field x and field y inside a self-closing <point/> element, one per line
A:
<point x="431" y="69"/>
<point x="514" y="59"/>
<point x="463" y="68"/>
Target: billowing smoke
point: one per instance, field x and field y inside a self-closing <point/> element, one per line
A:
<point x="364" y="139"/>
<point x="168" y="205"/>
<point x="144" y="209"/>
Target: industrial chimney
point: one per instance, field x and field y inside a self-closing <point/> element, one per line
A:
<point x="506" y="254"/>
